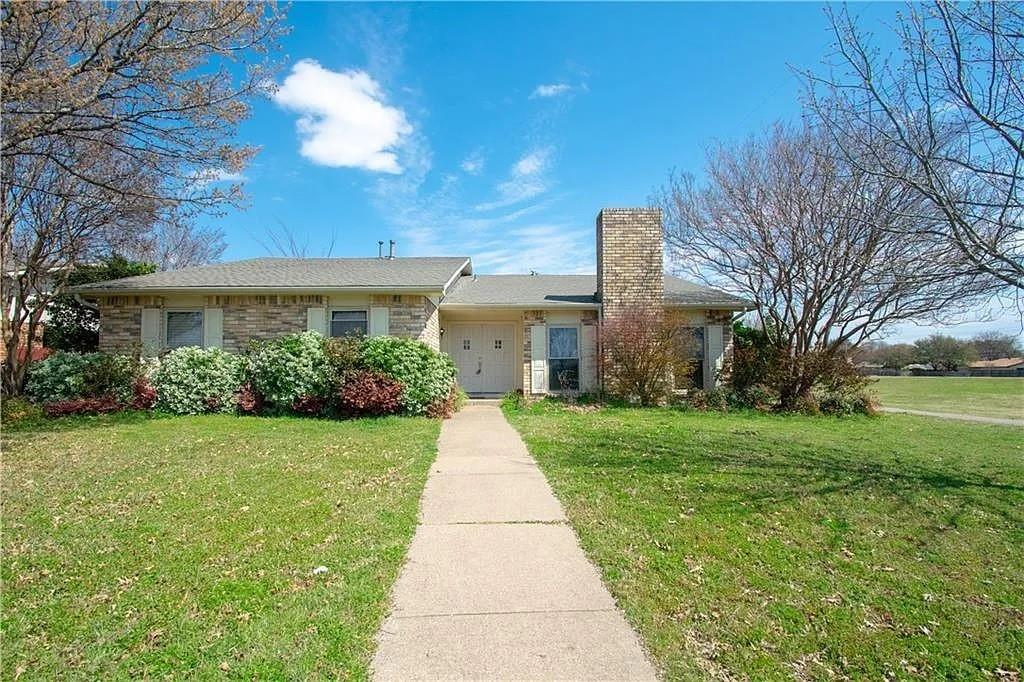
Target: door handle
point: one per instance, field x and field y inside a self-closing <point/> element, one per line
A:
<point x="479" y="365"/>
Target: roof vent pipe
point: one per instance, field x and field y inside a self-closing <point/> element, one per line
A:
<point x="380" y="249"/>
<point x="391" y="252"/>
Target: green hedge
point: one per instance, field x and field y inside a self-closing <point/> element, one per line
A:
<point x="302" y="373"/>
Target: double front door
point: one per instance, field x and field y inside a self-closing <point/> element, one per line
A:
<point x="485" y="357"/>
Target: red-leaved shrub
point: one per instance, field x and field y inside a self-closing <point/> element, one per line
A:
<point x="249" y="401"/>
<point x="446" y="407"/>
<point x="143" y="395"/>
<point x="310" y="405"/>
<point x="63" y="408"/>
<point x="367" y="393"/>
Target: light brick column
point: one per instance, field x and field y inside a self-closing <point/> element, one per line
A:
<point x="630" y="264"/>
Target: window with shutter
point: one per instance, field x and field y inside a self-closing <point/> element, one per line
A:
<point x="184" y="328"/>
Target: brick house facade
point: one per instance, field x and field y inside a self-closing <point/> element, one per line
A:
<point x="534" y="333"/>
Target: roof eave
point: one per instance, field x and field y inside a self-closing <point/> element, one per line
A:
<point x="227" y="290"/>
<point x="520" y="306"/>
<point x="712" y="305"/>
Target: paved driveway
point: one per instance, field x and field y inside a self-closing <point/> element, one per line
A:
<point x="496" y="585"/>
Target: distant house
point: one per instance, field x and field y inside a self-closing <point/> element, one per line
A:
<point x="504" y="332"/>
<point x="1003" y="367"/>
<point x="1001" y="363"/>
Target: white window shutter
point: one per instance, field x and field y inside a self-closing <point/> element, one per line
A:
<point x="378" y="321"/>
<point x="213" y="328"/>
<point x="588" y="358"/>
<point x="316" y="320"/>
<point x="150" y="331"/>
<point x="538" y="358"/>
<point x="715" y="354"/>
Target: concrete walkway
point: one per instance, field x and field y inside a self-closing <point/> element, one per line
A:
<point x="495" y="585"/>
<point x="1004" y="421"/>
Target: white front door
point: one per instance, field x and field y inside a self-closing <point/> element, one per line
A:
<point x="485" y="357"/>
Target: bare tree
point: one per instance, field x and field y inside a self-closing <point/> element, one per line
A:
<point x="117" y="120"/>
<point x="645" y="353"/>
<point x="281" y="240"/>
<point x="173" y="245"/>
<point x="993" y="345"/>
<point x="945" y="117"/>
<point x="817" y="243"/>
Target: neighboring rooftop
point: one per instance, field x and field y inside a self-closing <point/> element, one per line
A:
<point x="1001" y="363"/>
<point x="299" y="273"/>
<point x="570" y="290"/>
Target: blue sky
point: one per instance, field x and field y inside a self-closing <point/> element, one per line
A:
<point x="498" y="131"/>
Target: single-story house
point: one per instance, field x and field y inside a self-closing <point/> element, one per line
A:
<point x="505" y="332"/>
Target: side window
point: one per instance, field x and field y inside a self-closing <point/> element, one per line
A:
<point x="690" y="370"/>
<point x="348" y="322"/>
<point x="184" y="328"/>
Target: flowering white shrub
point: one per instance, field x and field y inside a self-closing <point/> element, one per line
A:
<point x="193" y="380"/>
<point x="289" y="368"/>
<point x="67" y="376"/>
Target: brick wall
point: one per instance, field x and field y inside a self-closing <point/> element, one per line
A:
<point x="244" y="321"/>
<point x="245" y="318"/>
<point x="630" y="271"/>
<point x="121" y="321"/>
<point x="411" y="317"/>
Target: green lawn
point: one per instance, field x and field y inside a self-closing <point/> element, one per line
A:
<point x="772" y="547"/>
<point x="185" y="546"/>
<point x="983" y="396"/>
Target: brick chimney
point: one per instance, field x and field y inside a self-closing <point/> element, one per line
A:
<point x="630" y="269"/>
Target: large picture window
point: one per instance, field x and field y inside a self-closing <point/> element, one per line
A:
<point x="348" y="323"/>
<point x="563" y="358"/>
<point x="184" y="328"/>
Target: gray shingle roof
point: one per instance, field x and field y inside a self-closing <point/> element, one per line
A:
<point x="684" y="292"/>
<point x="523" y="290"/>
<point x="401" y="273"/>
<point x="571" y="290"/>
<point x="299" y="273"/>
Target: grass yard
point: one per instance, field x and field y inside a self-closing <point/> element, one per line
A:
<point x="185" y="547"/>
<point x="780" y="547"/>
<point x="982" y="396"/>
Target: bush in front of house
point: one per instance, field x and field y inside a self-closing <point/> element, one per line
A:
<point x="761" y="376"/>
<point x="194" y="380"/>
<point x="59" y="377"/>
<point x="367" y="393"/>
<point x="303" y="374"/>
<point x="428" y="376"/>
<point x="66" y="408"/>
<point x="289" y="369"/>
<point x="69" y="376"/>
<point x="344" y="357"/>
<point x="647" y="354"/>
<point x="445" y="408"/>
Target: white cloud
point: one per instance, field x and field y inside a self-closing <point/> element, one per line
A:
<point x="550" y="90"/>
<point x="527" y="179"/>
<point x="474" y="163"/>
<point x="344" y="120"/>
<point x="552" y="248"/>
